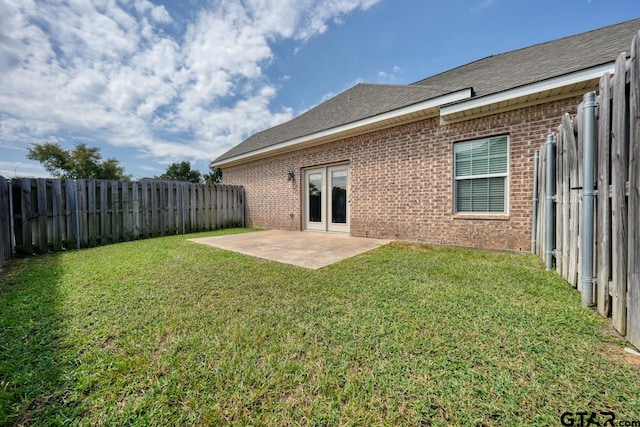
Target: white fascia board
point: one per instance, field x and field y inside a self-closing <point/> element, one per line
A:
<point x="411" y="109"/>
<point x="554" y="83"/>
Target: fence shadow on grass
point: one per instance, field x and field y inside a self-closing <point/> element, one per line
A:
<point x="32" y="361"/>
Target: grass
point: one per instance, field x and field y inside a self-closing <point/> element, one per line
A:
<point x="168" y="332"/>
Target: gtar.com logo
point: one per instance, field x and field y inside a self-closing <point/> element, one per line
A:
<point x="584" y="419"/>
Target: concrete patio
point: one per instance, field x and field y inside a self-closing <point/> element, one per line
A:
<point x="307" y="249"/>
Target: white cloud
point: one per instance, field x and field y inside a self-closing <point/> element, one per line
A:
<point x="118" y="73"/>
<point x="482" y="5"/>
<point x="11" y="147"/>
<point x="158" y="13"/>
<point x="390" y="76"/>
<point x="22" y="169"/>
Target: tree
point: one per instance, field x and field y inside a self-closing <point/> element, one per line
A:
<point x="214" y="176"/>
<point x="181" y="172"/>
<point x="80" y="163"/>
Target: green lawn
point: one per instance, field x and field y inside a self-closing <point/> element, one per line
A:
<point x="169" y="332"/>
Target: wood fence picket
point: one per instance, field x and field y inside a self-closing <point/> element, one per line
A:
<point x="39" y="215"/>
<point x="617" y="226"/>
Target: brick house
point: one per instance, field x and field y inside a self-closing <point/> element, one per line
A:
<point x="445" y="160"/>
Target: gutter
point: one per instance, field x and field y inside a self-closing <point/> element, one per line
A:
<point x="462" y="110"/>
<point x="419" y="111"/>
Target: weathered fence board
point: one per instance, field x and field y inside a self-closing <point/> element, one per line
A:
<point x="566" y="198"/>
<point x="574" y="198"/>
<point x="617" y="167"/>
<point x="115" y="211"/>
<point x="42" y="214"/>
<point x="104" y="214"/>
<point x="82" y="213"/>
<point x="26" y="215"/>
<point x="153" y="203"/>
<point x="93" y="220"/>
<point x="5" y="221"/>
<point x="127" y="214"/>
<point x="219" y="207"/>
<point x="72" y="215"/>
<point x="577" y="189"/>
<point x="57" y="212"/>
<point x="193" y="208"/>
<point x="620" y="145"/>
<point x="603" y="231"/>
<point x="560" y="247"/>
<point x="52" y="215"/>
<point x="136" y="206"/>
<point x="633" y="277"/>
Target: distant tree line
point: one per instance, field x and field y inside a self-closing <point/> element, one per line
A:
<point x="86" y="163"/>
<point x="182" y="172"/>
<point x="80" y="163"/>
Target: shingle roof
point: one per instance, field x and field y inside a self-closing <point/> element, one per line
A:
<point x="486" y="76"/>
<point x="357" y="103"/>
<point x="540" y="62"/>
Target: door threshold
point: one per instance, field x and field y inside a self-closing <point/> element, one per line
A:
<point x="343" y="233"/>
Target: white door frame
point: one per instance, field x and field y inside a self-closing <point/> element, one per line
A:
<point x="332" y="225"/>
<point x="323" y="177"/>
<point x="319" y="181"/>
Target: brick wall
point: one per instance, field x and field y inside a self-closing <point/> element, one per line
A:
<point x="401" y="180"/>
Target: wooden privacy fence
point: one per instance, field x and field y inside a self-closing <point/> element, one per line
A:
<point x="50" y="215"/>
<point x="616" y="266"/>
<point x="5" y="222"/>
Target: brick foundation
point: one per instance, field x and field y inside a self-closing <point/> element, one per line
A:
<point x="402" y="180"/>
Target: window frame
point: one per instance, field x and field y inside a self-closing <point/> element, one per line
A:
<point x="504" y="175"/>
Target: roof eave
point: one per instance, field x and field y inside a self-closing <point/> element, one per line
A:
<point x="555" y="88"/>
<point x="411" y="113"/>
<point x="454" y="107"/>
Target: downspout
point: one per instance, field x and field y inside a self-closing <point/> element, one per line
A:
<point x="534" y="216"/>
<point x="550" y="191"/>
<point x="588" y="194"/>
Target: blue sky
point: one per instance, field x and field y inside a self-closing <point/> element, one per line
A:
<point x="155" y="82"/>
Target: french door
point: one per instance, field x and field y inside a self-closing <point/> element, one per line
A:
<point x="326" y="199"/>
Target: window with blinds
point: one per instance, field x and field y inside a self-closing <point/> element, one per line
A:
<point x="480" y="174"/>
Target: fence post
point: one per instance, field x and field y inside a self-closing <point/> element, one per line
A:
<point x="550" y="191"/>
<point x="534" y="216"/>
<point x="588" y="193"/>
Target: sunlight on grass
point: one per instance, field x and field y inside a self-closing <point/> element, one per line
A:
<point x="169" y="332"/>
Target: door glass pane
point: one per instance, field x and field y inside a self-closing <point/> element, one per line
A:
<point x="315" y="197"/>
<point x="339" y="197"/>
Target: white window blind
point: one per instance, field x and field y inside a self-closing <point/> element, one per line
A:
<point x="481" y="171"/>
